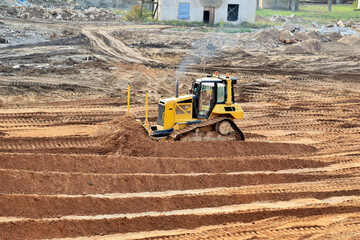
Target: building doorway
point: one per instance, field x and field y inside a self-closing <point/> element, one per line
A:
<point x="209" y="15"/>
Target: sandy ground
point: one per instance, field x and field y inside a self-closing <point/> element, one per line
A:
<point x="64" y="176"/>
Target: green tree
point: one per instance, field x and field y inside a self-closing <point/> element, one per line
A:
<point x="137" y="13"/>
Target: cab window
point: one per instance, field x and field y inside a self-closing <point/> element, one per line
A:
<point x="195" y="88"/>
<point x="221" y="93"/>
<point x="205" y="97"/>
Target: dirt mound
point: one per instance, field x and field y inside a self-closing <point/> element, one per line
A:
<point x="274" y="36"/>
<point x="334" y="36"/>
<point x="268" y="36"/>
<point x="301" y="36"/>
<point x="287" y="37"/>
<point x="310" y="46"/>
<point x="126" y="137"/>
<point x="318" y="36"/>
<point x="350" y="40"/>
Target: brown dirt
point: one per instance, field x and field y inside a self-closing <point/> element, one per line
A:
<point x="350" y="40"/>
<point x="126" y="137"/>
<point x="71" y="164"/>
<point x="30" y="206"/>
<point x="79" y="183"/>
<point x="268" y="36"/>
<point x="34" y="229"/>
<point x="310" y="46"/>
<point x="116" y="164"/>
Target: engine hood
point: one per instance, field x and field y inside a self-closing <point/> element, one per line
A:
<point x="177" y="99"/>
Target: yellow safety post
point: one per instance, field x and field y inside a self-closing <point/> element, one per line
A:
<point x="146" y="124"/>
<point x="229" y="92"/>
<point x="128" y="101"/>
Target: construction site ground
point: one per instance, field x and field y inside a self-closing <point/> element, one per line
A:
<point x="73" y="166"/>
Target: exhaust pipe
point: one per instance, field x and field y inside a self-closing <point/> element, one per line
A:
<point x="177" y="88"/>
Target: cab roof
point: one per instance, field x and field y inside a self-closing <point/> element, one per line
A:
<point x="215" y="79"/>
<point x="209" y="79"/>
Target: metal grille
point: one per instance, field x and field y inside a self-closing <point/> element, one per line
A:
<point x="233" y="12"/>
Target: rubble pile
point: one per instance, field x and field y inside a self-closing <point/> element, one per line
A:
<point x="278" y="18"/>
<point x="344" y="28"/>
<point x="330" y="32"/>
<point x="350" y="24"/>
<point x="50" y="3"/>
<point x="64" y="13"/>
<point x="275" y="37"/>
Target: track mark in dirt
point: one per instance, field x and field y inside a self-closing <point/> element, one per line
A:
<point x="64" y="227"/>
<point x="84" y="186"/>
<point x="35" y="206"/>
<point x="117" y="164"/>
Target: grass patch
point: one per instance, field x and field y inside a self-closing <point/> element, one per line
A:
<point x="179" y="23"/>
<point x="317" y="12"/>
<point x="221" y="27"/>
<point x="235" y="30"/>
<point x="120" y="11"/>
<point x="260" y="24"/>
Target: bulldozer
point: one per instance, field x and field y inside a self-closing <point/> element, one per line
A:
<point x="206" y="114"/>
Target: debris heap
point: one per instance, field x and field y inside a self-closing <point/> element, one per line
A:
<point x="63" y="13"/>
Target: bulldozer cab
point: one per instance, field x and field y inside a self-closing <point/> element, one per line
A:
<point x="207" y="93"/>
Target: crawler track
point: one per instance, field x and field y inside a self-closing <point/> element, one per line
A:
<point x="182" y="133"/>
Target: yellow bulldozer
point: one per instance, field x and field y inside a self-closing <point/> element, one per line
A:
<point x="207" y="113"/>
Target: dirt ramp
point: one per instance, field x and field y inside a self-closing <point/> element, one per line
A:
<point x="126" y="137"/>
<point x="350" y="40"/>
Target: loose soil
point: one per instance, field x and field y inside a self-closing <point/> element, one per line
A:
<point x="73" y="166"/>
<point x="126" y="137"/>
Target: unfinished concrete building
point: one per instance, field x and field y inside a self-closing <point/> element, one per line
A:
<point x="207" y="11"/>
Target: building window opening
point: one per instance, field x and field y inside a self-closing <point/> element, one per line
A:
<point x="221" y="93"/>
<point x="184" y="11"/>
<point x="233" y="12"/>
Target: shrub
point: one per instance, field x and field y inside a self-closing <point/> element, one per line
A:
<point x="355" y="4"/>
<point x="222" y="24"/>
<point x="137" y="14"/>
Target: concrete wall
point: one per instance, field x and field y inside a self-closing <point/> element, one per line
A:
<point x="274" y="4"/>
<point x="169" y="10"/>
<point x="106" y="3"/>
